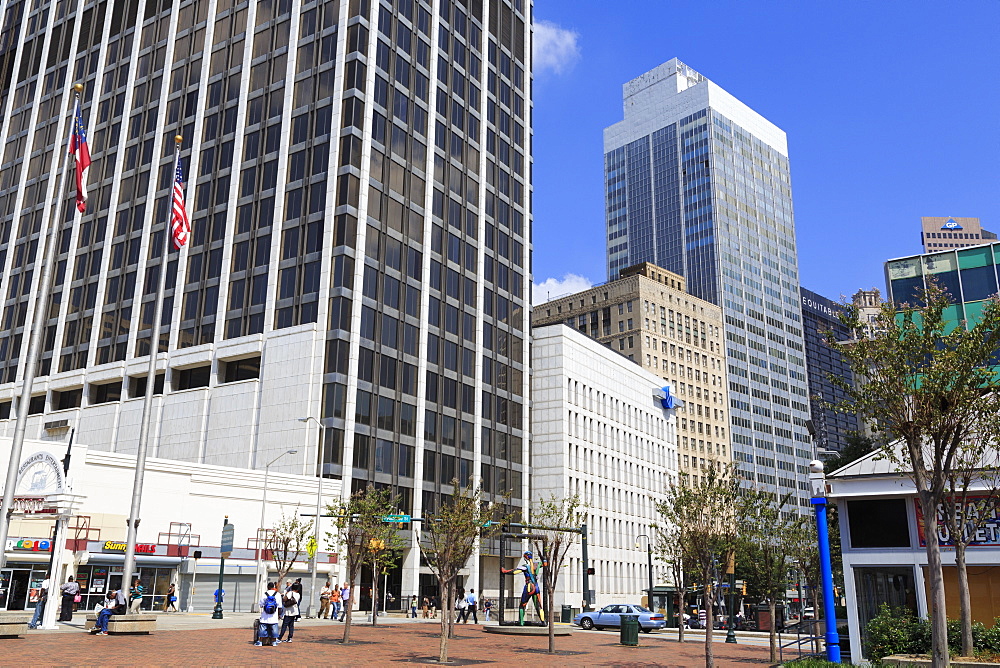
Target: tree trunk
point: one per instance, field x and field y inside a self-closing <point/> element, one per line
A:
<point x="709" y="622"/>
<point x="549" y="606"/>
<point x="772" y="635"/>
<point x="348" y="606"/>
<point x="964" y="600"/>
<point x="935" y="576"/>
<point x="680" y="613"/>
<point x="374" y="595"/>
<point x="445" y="628"/>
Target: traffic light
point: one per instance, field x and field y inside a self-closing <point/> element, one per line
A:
<point x="744" y="592"/>
<point x="590" y="571"/>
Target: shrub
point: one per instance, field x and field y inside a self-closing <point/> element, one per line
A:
<point x="990" y="639"/>
<point x="895" y="631"/>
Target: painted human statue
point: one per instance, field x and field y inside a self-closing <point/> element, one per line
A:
<point x="531" y="570"/>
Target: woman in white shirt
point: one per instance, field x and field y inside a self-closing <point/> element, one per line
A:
<point x="291" y="603"/>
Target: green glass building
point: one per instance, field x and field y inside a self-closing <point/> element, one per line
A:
<point x="969" y="275"/>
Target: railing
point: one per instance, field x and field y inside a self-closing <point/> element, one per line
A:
<point x="806" y="638"/>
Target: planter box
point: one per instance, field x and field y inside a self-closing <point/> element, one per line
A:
<point x="911" y="661"/>
<point x="14" y="624"/>
<point x="126" y="624"/>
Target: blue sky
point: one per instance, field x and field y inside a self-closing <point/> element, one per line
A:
<point x="892" y="111"/>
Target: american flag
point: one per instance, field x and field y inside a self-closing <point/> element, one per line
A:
<point x="78" y="149"/>
<point x="180" y="224"/>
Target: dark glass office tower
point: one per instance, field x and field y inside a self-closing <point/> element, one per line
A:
<point x="831" y="427"/>
<point x="359" y="190"/>
<point x="699" y="184"/>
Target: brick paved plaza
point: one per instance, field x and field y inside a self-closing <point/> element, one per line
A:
<point x="383" y="645"/>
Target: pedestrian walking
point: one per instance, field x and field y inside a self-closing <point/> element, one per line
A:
<point x="470" y="606"/>
<point x="487" y="607"/>
<point x="324" y="602"/>
<point x="335" y="601"/>
<point x="345" y="599"/>
<point x="170" y="604"/>
<point x="135" y="594"/>
<point x="70" y="591"/>
<point x="425" y="607"/>
<point x="435" y="604"/>
<point x="413" y="606"/>
<point x="43" y="597"/>
<point x="291" y="604"/>
<point x="462" y="607"/>
<point x="270" y="612"/>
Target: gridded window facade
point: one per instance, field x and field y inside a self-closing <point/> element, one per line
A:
<point x="716" y="201"/>
<point x="357" y="166"/>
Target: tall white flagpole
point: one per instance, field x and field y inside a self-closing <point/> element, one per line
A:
<point x="47" y="262"/>
<point x="147" y="404"/>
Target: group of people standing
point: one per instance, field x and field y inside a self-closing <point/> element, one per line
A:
<point x="275" y="607"/>
<point x="333" y="602"/>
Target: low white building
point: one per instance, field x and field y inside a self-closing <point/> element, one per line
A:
<point x="600" y="430"/>
<point x="184" y="506"/>
<point x="884" y="554"/>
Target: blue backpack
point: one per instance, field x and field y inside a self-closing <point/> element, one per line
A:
<point x="270" y="605"/>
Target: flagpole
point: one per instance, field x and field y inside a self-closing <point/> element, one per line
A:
<point x="147" y="404"/>
<point x="34" y="342"/>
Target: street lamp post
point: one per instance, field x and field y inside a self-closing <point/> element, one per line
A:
<point x="649" y="565"/>
<point x="263" y="506"/>
<point x="817" y="481"/>
<point x="319" y="504"/>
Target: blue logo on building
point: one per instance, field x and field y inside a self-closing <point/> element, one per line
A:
<point x="951" y="225"/>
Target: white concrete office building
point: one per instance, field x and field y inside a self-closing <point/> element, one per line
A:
<point x="600" y="431"/>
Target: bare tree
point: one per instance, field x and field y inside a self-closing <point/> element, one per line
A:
<point x="361" y="531"/>
<point x="707" y="514"/>
<point x="548" y="517"/>
<point x="447" y="541"/>
<point x="928" y="385"/>
<point x="287" y="543"/>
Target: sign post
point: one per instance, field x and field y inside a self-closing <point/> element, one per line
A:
<point x="226" y="549"/>
<point x="817" y="481"/>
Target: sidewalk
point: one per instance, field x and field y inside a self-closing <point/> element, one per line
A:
<point x="317" y="643"/>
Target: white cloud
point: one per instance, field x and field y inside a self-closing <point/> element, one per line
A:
<point x="552" y="288"/>
<point x="555" y="48"/>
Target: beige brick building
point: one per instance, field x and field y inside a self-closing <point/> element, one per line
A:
<point x="647" y="316"/>
<point x="941" y="233"/>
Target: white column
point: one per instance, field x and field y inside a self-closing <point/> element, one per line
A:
<point x="54" y="600"/>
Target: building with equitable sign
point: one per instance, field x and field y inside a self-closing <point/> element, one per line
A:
<point x="884" y="555"/>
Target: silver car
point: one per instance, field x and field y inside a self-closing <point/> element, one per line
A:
<point x="611" y="616"/>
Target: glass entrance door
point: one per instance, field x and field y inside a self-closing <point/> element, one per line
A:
<point x="5" y="575"/>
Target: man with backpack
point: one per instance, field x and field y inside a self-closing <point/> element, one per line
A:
<point x="271" y="610"/>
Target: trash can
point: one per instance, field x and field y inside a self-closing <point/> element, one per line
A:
<point x="567" y="614"/>
<point x="630" y="630"/>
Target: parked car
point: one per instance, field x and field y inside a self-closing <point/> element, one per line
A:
<point x="611" y="616"/>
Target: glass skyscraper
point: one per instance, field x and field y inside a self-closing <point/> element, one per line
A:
<point x="831" y="427"/>
<point x="358" y="180"/>
<point x="698" y="183"/>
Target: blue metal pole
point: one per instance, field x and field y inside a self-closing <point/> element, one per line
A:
<point x="826" y="572"/>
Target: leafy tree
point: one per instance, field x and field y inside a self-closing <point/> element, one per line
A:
<point x="857" y="447"/>
<point x="764" y="542"/>
<point x="972" y="502"/>
<point x="547" y="517"/>
<point x="447" y="540"/>
<point x="928" y="388"/>
<point x="706" y="512"/>
<point x="364" y="535"/>
<point x="287" y="543"/>
<point x="670" y="548"/>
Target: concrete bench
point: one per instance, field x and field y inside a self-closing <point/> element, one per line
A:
<point x="125" y="624"/>
<point x="14" y="624"/>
